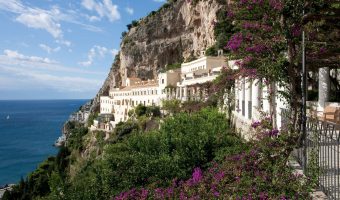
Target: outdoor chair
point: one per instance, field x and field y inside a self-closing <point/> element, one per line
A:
<point x="330" y="114"/>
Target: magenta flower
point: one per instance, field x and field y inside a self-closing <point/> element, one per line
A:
<point x="296" y="31"/>
<point x="256" y="124"/>
<point x="263" y="196"/>
<point x="235" y="42"/>
<point x="197" y="175"/>
<point x="182" y="196"/>
<point x="276" y="4"/>
<point x="219" y="176"/>
<point x="322" y="50"/>
<point x="216" y="194"/>
<point x="257" y="49"/>
<point x="144" y="193"/>
<point x="274" y="132"/>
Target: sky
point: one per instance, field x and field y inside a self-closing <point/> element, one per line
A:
<point x="61" y="49"/>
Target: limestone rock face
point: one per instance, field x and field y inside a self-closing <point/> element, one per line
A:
<point x="171" y="35"/>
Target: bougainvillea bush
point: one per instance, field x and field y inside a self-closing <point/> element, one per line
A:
<point x="258" y="173"/>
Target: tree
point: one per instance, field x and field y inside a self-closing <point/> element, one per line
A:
<point x="268" y="43"/>
<point x="172" y="106"/>
<point x="140" y="110"/>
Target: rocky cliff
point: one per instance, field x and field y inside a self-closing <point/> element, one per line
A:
<point x="178" y="31"/>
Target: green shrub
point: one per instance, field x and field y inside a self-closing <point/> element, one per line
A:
<point x="75" y="138"/>
<point x="172" y="66"/>
<point x="125" y="128"/>
<point x="211" y="51"/>
<point x="223" y="28"/>
<point x="153" y="111"/>
<point x="124" y="33"/>
<point x="172" y="106"/>
<point x="183" y="142"/>
<point x="140" y="110"/>
<point x="92" y="117"/>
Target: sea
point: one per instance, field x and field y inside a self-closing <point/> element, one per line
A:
<point x="28" y="130"/>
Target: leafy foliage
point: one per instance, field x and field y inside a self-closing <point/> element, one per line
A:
<point x="257" y="173"/>
<point x="211" y="51"/>
<point x="183" y="142"/>
<point x="92" y="117"/>
<point x="223" y="28"/>
<point x="172" y="106"/>
<point x="125" y="128"/>
<point x="75" y="138"/>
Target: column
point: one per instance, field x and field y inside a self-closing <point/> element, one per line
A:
<point x="255" y="98"/>
<point x="237" y="95"/>
<point x="185" y="93"/>
<point x="265" y="98"/>
<point x="167" y="92"/>
<point x="177" y="92"/>
<point x="324" y="87"/>
<point x="247" y="100"/>
<point x="180" y="93"/>
<point x="242" y="95"/>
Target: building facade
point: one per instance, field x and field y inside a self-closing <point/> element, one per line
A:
<point x="173" y="84"/>
<point x="252" y="100"/>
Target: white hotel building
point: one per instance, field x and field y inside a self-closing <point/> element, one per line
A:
<point x="173" y="84"/>
<point x="251" y="98"/>
<point x="251" y="95"/>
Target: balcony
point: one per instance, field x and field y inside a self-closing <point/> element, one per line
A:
<point x="199" y="79"/>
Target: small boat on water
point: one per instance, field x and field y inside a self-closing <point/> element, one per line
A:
<point x="7" y="117"/>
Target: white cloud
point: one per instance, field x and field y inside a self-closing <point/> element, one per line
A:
<point x="15" y="59"/>
<point x="31" y="71"/>
<point x="49" y="49"/>
<point x="60" y="82"/>
<point x="48" y="20"/>
<point x="12" y="5"/>
<point x="34" y="17"/>
<point x="129" y="10"/>
<point x="17" y="56"/>
<point x="105" y="8"/>
<point x="64" y="42"/>
<point x="97" y="51"/>
<point x="93" y="18"/>
<point x="41" y="20"/>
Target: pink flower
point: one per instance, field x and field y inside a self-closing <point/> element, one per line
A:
<point x="256" y="124"/>
<point x="235" y="42"/>
<point x="276" y="4"/>
<point x="197" y="175"/>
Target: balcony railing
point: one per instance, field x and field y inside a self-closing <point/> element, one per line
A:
<point x="320" y="154"/>
<point x="200" y="79"/>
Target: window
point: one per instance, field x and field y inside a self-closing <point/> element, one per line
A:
<point x="162" y="80"/>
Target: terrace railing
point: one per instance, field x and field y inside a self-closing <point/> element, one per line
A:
<point x="320" y="155"/>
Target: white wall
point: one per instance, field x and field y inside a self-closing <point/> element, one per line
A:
<point x="106" y="105"/>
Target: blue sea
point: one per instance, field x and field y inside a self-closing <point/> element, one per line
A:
<point x="26" y="138"/>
